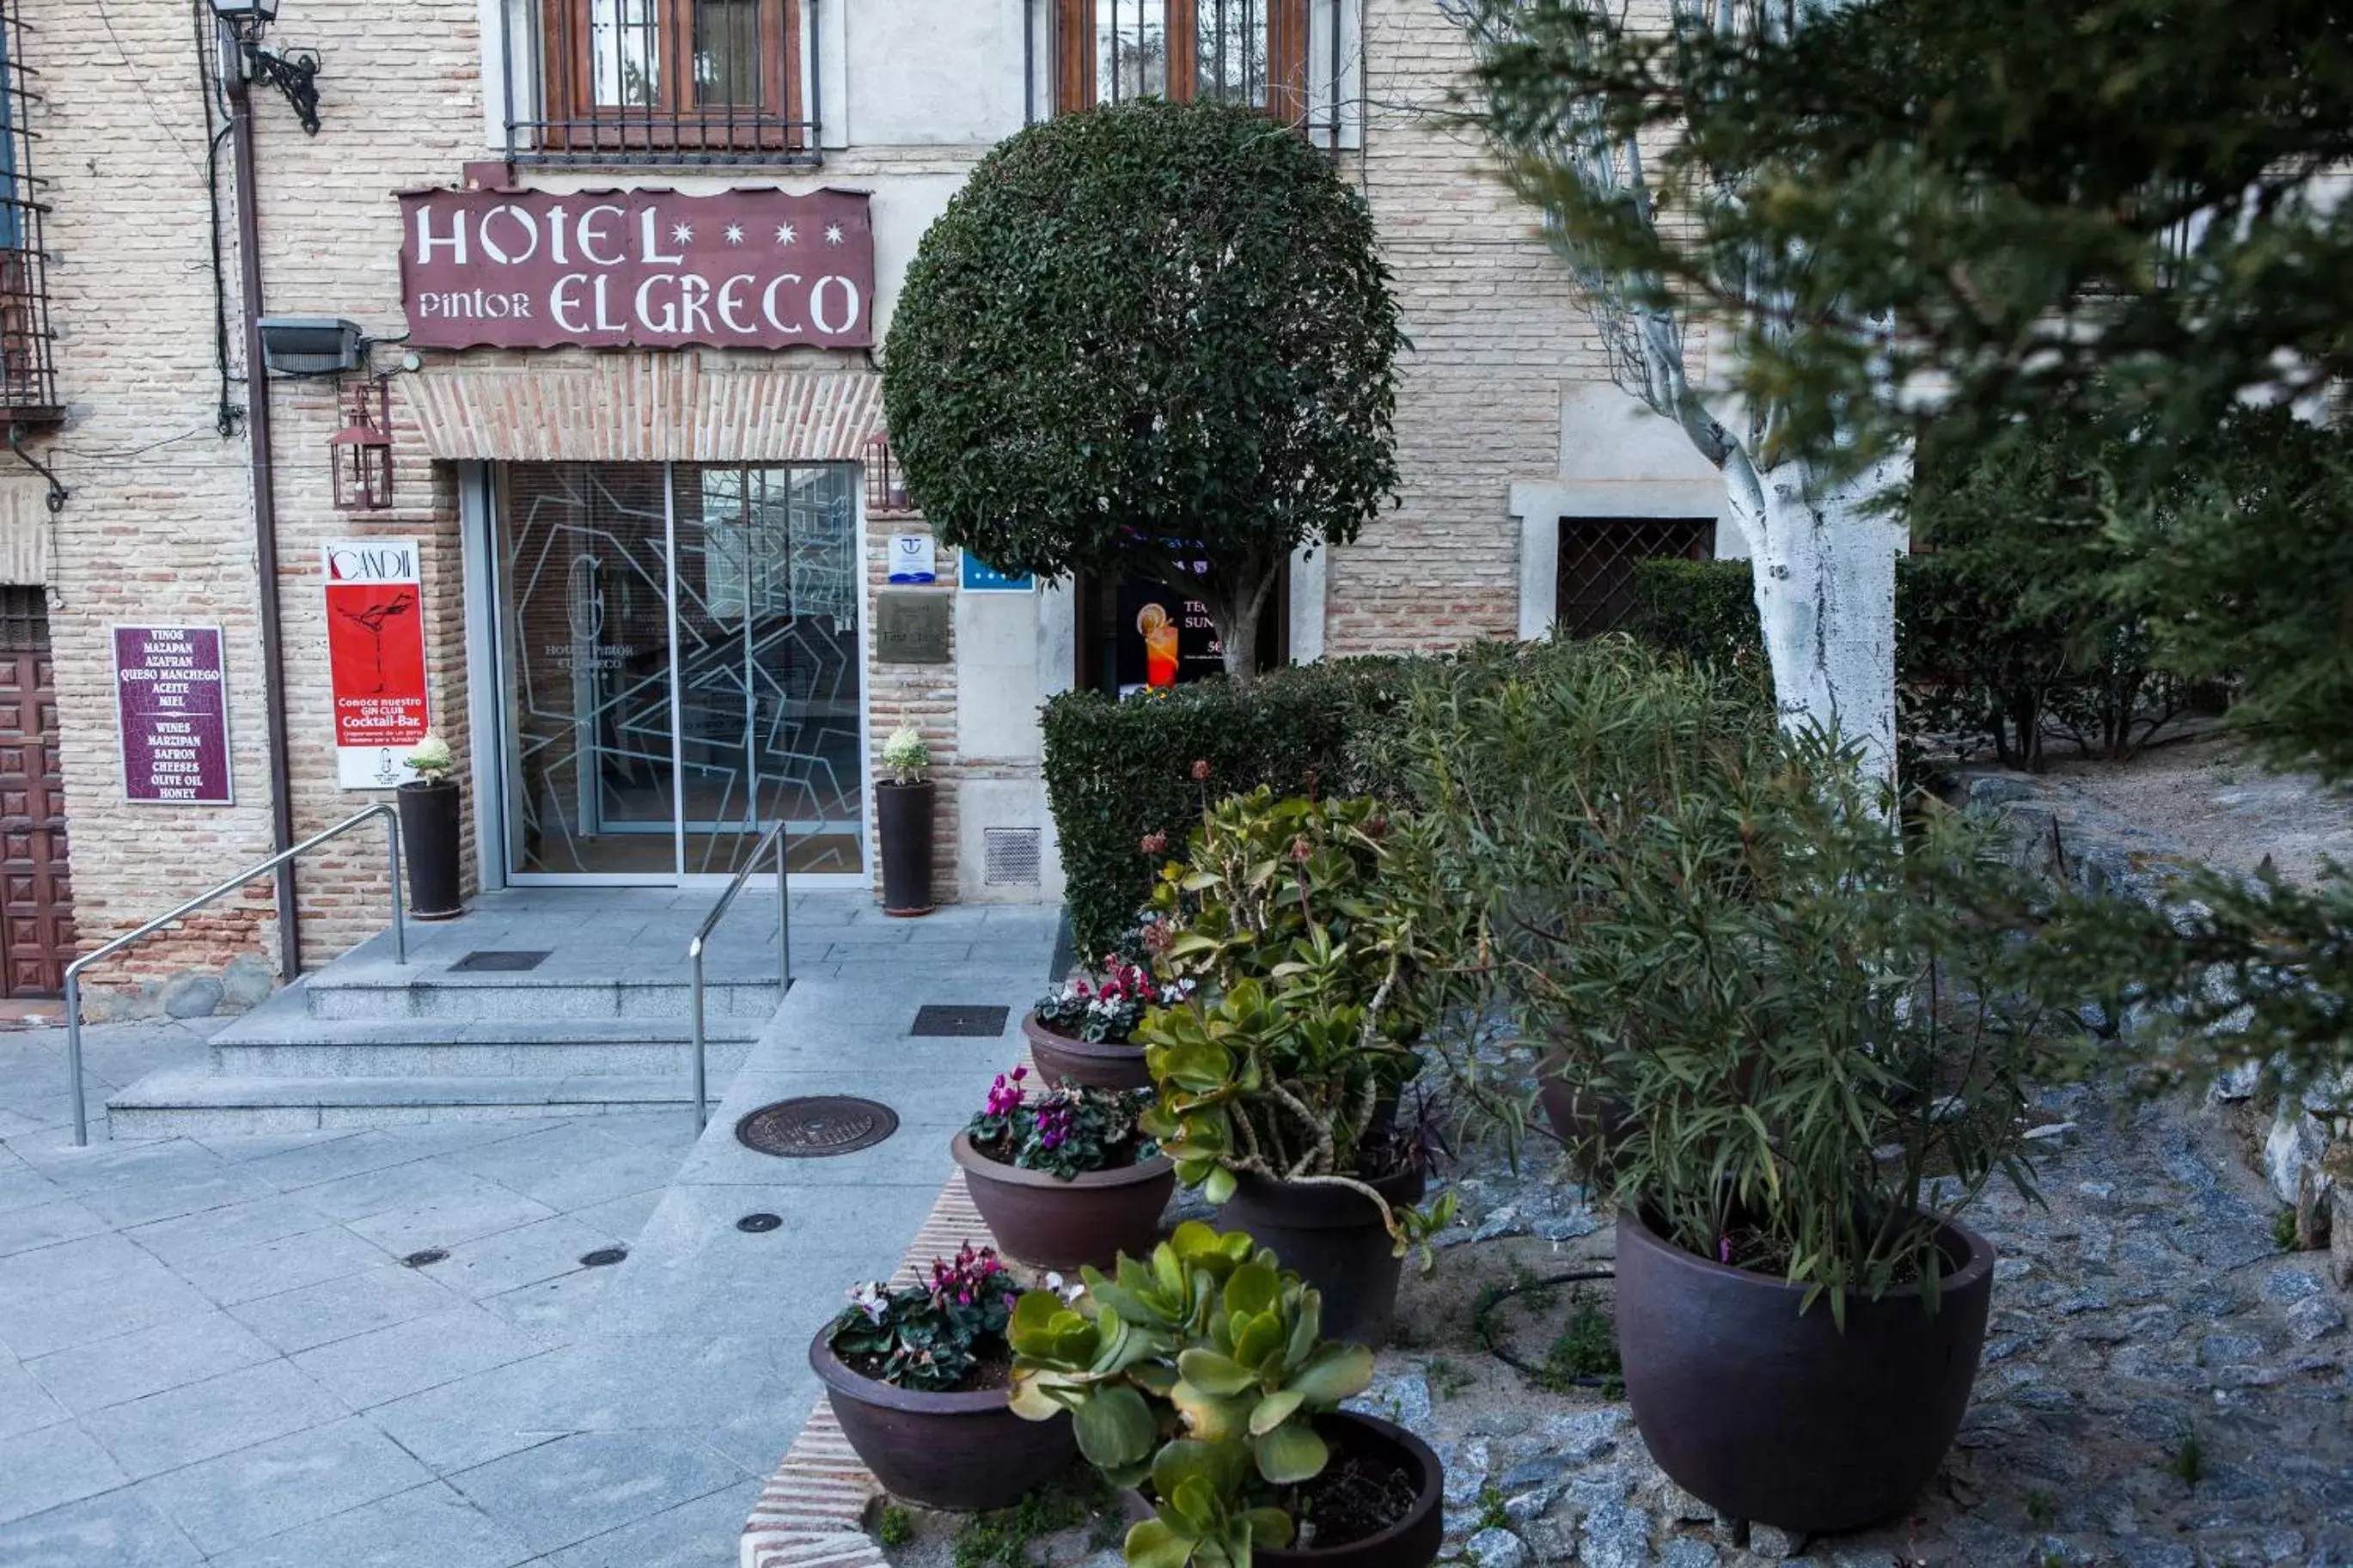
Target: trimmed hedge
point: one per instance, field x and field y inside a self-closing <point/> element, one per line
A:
<point x="1117" y="771"/>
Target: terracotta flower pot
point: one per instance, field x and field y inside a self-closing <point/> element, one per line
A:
<point x="1091" y="1064"/>
<point x="1334" y="1237"/>
<point x="1045" y="1220"/>
<point x="1774" y="1416"/>
<point x="963" y="1451"/>
<point x="1413" y="1541"/>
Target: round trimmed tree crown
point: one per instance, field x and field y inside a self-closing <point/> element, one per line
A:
<point x="1143" y="337"/>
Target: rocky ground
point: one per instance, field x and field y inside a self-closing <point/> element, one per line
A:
<point x="2163" y="1386"/>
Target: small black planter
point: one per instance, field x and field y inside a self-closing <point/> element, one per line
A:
<point x="905" y="814"/>
<point x="1334" y="1237"/>
<point x="1777" y="1416"/>
<point x="429" y="842"/>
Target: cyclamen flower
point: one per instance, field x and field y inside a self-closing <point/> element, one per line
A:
<point x="869" y="1298"/>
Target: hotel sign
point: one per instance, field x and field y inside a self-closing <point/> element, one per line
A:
<point x="526" y="269"/>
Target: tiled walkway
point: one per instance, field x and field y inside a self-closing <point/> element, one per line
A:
<point x="214" y="1353"/>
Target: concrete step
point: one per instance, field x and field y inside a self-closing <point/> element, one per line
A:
<point x="298" y="1044"/>
<point x="195" y="1103"/>
<point x="428" y="993"/>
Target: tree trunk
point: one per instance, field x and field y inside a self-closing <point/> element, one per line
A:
<point x="1236" y="612"/>
<point x="1824" y="562"/>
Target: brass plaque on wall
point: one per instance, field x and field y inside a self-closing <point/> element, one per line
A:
<point x="911" y="627"/>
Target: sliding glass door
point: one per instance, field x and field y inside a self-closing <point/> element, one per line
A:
<point x="678" y="651"/>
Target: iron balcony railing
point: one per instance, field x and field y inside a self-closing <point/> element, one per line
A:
<point x="28" y="371"/>
<point x="661" y="81"/>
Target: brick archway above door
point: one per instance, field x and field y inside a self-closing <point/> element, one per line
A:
<point x="644" y="408"/>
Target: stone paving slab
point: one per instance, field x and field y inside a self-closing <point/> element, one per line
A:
<point x="210" y="1351"/>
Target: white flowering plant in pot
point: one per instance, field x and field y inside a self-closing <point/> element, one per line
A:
<point x="432" y="760"/>
<point x="906" y="755"/>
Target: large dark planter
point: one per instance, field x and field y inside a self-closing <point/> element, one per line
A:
<point x="1777" y="1416"/>
<point x="429" y="819"/>
<point x="1335" y="1239"/>
<point x="1412" y="1542"/>
<point x="904" y="813"/>
<point x="1592" y="1128"/>
<point x="1092" y="1064"/>
<point x="1092" y="1218"/>
<point x="948" y="1450"/>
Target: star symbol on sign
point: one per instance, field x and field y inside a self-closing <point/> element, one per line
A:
<point x="681" y="234"/>
<point x="833" y="234"/>
<point x="783" y="234"/>
<point x="734" y="232"/>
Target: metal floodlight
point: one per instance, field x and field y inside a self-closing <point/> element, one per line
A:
<point x="309" y="345"/>
<point x="246" y="13"/>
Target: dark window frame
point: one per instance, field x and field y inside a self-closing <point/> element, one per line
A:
<point x="558" y="56"/>
<point x="1604" y="549"/>
<point x="1077" y="83"/>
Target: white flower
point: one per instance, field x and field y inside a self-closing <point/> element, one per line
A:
<point x="431" y="759"/>
<point x="869" y="1298"/>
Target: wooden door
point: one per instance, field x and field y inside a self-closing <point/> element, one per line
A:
<point x="36" y="934"/>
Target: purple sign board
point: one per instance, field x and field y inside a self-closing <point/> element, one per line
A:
<point x="170" y="698"/>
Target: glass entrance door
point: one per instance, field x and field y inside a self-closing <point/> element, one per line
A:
<point x="679" y="657"/>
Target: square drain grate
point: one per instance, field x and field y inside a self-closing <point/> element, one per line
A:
<point x="938" y="1021"/>
<point x="498" y="960"/>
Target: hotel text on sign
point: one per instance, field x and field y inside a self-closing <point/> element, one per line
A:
<point x="745" y="269"/>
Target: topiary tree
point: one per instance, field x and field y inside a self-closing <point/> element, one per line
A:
<point x="1145" y="337"/>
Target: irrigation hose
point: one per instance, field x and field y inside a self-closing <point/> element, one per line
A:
<point x="1484" y="1333"/>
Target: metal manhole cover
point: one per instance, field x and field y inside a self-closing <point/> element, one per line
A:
<point x="759" y="1224"/>
<point x="498" y="960"/>
<point x="814" y="1126"/>
<point x="604" y="1257"/>
<point x="943" y="1022"/>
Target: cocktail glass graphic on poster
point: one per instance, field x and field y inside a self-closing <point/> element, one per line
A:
<point x="375" y="658"/>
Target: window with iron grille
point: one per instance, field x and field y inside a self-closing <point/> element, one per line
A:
<point x="1249" y="52"/>
<point x="1596" y="583"/>
<point x="29" y="377"/>
<point x="667" y="81"/>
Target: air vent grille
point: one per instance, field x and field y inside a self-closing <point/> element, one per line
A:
<point x="1010" y="856"/>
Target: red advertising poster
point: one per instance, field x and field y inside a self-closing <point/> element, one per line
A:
<point x="375" y="658"/>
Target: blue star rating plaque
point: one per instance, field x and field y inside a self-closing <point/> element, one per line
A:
<point x="979" y="577"/>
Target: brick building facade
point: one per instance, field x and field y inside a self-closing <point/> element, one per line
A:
<point x="621" y="465"/>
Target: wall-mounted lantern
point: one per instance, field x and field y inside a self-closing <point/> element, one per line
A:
<point x="361" y="450"/>
<point x="886" y="493"/>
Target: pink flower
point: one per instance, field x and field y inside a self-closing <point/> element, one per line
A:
<point x="1201" y="771"/>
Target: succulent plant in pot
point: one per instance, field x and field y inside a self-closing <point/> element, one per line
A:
<point x="1201" y="1378"/>
<point x="920" y="1381"/>
<point x="1277" y="1084"/>
<point x="1065" y="1175"/>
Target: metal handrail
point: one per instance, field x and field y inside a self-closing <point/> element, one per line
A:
<point x="243" y="879"/>
<point x="773" y="838"/>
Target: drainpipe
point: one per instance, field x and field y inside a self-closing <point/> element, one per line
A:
<point x="265" y="502"/>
